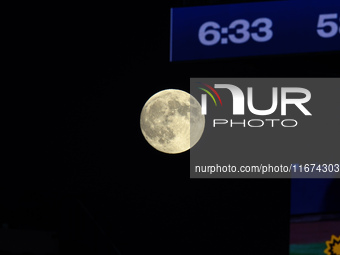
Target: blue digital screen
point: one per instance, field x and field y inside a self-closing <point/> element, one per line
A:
<point x="253" y="29"/>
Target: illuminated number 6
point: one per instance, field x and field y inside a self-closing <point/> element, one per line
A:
<point x="203" y="32"/>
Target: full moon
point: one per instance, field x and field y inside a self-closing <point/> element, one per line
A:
<point x="171" y="121"/>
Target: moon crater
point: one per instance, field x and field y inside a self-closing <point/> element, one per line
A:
<point x="171" y="121"/>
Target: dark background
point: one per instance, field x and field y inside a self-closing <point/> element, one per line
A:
<point x="82" y="169"/>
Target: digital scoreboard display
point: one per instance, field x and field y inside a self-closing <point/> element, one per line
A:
<point x="253" y="29"/>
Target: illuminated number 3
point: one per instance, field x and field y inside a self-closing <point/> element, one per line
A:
<point x="266" y="29"/>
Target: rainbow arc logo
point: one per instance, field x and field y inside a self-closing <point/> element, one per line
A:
<point x="204" y="97"/>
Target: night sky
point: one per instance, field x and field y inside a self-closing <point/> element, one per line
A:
<point x="84" y="170"/>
